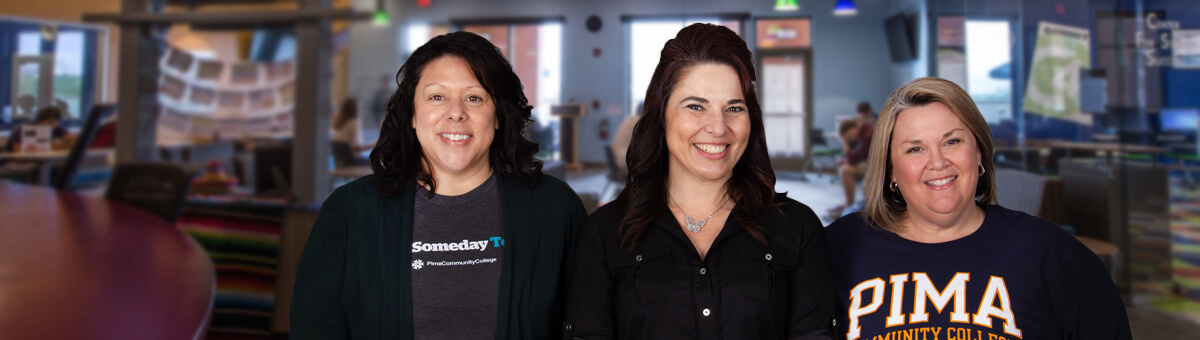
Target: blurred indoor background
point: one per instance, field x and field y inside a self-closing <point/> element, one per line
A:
<point x="1093" y="104"/>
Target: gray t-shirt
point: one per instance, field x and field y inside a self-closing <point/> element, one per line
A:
<point x="457" y="252"/>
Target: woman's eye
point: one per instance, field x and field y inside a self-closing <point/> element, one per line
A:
<point x="737" y="109"/>
<point x="914" y="149"/>
<point x="953" y="141"/>
<point x="695" y="107"/>
<point x="474" y="98"/>
<point x="437" y="97"/>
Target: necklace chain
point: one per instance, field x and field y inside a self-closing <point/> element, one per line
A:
<point x="693" y="225"/>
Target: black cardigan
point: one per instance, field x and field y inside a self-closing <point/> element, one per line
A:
<point x="354" y="276"/>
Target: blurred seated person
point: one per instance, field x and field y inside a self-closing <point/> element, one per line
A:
<point x="856" y="141"/>
<point x="25" y="106"/>
<point x="48" y="116"/>
<point x="62" y="140"/>
<point x="620" y="144"/>
<point x="347" y="129"/>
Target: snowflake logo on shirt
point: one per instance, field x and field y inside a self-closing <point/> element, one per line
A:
<point x="418" y="264"/>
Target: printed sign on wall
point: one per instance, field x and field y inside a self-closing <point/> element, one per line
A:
<point x="1053" y="88"/>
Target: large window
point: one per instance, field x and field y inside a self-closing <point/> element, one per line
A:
<point x="538" y="63"/>
<point x="977" y="55"/>
<point x="646" y="39"/>
<point x="46" y="65"/>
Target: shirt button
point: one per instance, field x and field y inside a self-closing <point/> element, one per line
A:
<point x="706" y="312"/>
<point x="638" y="258"/>
<point x="703" y="271"/>
<point x="768" y="257"/>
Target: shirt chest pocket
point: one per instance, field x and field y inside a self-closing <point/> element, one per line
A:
<point x="765" y="273"/>
<point x="641" y="277"/>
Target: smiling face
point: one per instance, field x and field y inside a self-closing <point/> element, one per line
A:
<point x="707" y="123"/>
<point x="454" y="118"/>
<point x="935" y="162"/>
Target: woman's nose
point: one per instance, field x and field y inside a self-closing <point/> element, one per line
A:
<point x="936" y="159"/>
<point x="715" y="124"/>
<point x="457" y="111"/>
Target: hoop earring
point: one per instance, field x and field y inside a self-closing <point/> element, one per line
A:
<point x="898" y="198"/>
<point x="982" y="170"/>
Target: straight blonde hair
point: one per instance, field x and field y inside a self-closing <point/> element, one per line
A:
<point x="887" y="210"/>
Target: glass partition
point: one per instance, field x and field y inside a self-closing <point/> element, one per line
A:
<point x="1100" y="98"/>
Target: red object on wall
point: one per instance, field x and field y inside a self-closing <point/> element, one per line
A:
<point x="595" y="104"/>
<point x="604" y="127"/>
<point x="1060" y="8"/>
<point x="596" y="52"/>
<point x="424" y="3"/>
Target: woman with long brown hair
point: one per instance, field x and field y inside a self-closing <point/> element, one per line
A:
<point x="699" y="245"/>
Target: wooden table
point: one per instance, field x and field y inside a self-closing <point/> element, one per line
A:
<point x="47" y="160"/>
<point x="1099" y="247"/>
<point x="83" y="267"/>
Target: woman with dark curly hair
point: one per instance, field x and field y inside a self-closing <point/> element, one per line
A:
<point x="457" y="235"/>
<point x="699" y="245"/>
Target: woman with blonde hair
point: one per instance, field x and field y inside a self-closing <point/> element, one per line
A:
<point x="931" y="252"/>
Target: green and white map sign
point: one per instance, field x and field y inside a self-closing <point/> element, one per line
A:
<point x="1053" y="88"/>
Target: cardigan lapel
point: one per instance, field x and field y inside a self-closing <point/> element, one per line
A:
<point x="516" y="198"/>
<point x="396" y="214"/>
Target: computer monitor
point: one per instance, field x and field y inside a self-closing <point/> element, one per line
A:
<point x="1179" y="120"/>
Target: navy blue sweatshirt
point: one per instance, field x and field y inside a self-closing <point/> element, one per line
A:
<point x="1017" y="277"/>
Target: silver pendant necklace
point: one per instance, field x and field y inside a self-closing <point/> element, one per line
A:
<point x="692" y="225"/>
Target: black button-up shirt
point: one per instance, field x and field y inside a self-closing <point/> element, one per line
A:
<point x="742" y="289"/>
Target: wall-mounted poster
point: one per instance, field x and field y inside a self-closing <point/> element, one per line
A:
<point x="221" y="99"/>
<point x="287" y="93"/>
<point x="244" y="73"/>
<point x="1053" y="88"/>
<point x="260" y="125"/>
<point x="277" y="71"/>
<point x="171" y="87"/>
<point x="203" y="96"/>
<point x="179" y="60"/>
<point x="203" y="127"/>
<point x="208" y="70"/>
<point x="1185" y="48"/>
<point x="174" y="120"/>
<point x="229" y="100"/>
<point x="262" y="100"/>
<point x="230" y="129"/>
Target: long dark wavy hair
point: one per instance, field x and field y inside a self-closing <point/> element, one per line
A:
<point x="398" y="159"/>
<point x="752" y="186"/>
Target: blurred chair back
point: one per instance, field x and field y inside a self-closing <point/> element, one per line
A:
<point x="158" y="188"/>
<point x="1031" y="193"/>
<point x="616" y="175"/>
<point x="822" y="158"/>
<point x="343" y="154"/>
<point x="86" y="134"/>
<point x="816" y="137"/>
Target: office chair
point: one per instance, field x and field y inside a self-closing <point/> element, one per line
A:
<point x="87" y="133"/>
